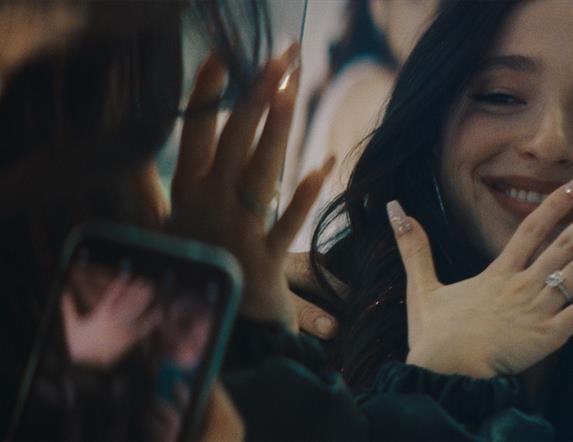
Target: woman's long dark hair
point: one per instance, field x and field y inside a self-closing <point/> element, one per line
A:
<point x="400" y="162"/>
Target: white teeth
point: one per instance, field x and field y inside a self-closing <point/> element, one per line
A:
<point x="533" y="197"/>
<point x="524" y="195"/>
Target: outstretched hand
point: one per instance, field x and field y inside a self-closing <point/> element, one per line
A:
<point x="501" y="321"/>
<point x="113" y="326"/>
<point x="221" y="192"/>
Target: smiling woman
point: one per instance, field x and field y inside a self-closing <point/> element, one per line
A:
<point x="508" y="143"/>
<point x="477" y="145"/>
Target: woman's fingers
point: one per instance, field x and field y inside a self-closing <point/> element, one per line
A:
<point x="113" y="291"/>
<point x="554" y="257"/>
<point x="535" y="229"/>
<point x="238" y="134"/>
<point x="302" y="279"/>
<point x="197" y="146"/>
<point x="313" y="320"/>
<point x="554" y="299"/>
<point x="284" y="231"/>
<point x="414" y="249"/>
<point x="266" y="164"/>
<point x="135" y="300"/>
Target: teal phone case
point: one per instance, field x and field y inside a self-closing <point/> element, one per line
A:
<point x="188" y="250"/>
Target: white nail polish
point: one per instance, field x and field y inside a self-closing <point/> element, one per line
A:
<point x="398" y="217"/>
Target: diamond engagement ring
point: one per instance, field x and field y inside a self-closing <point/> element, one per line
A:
<point x="556" y="280"/>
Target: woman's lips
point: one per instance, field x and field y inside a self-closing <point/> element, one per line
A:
<point x="520" y="209"/>
<point x="501" y="189"/>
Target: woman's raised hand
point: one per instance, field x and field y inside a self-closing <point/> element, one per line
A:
<point x="503" y="320"/>
<point x="222" y="189"/>
<point x="120" y="319"/>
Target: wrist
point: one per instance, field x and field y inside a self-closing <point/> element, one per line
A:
<point x="446" y="360"/>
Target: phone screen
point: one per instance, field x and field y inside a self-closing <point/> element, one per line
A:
<point x="143" y="311"/>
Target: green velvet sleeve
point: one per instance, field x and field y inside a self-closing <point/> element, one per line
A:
<point x="468" y="400"/>
<point x="423" y="405"/>
<point x="283" y="390"/>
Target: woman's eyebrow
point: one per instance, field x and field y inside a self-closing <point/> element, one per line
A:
<point x="514" y="62"/>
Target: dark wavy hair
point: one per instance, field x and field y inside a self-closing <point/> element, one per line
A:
<point x="401" y="162"/>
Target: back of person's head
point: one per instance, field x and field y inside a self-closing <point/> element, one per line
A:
<point x="105" y="94"/>
<point x="111" y="86"/>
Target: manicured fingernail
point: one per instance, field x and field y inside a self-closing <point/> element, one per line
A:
<point x="398" y="218"/>
<point x="290" y="80"/>
<point x="569" y="188"/>
<point x="292" y="58"/>
<point x="324" y="325"/>
<point x="292" y="54"/>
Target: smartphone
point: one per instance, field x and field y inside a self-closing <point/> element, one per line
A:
<point x="140" y="291"/>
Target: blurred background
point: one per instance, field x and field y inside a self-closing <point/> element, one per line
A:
<point x="351" y="53"/>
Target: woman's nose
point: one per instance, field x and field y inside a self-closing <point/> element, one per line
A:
<point x="552" y="140"/>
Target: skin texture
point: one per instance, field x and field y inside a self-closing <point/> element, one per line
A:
<point x="512" y="121"/>
<point x="301" y="279"/>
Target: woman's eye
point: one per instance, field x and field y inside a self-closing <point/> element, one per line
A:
<point x="498" y="98"/>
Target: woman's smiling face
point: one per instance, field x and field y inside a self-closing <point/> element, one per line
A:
<point x="509" y="140"/>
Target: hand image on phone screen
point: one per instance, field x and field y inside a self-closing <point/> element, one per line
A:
<point x="150" y="312"/>
<point x="105" y="313"/>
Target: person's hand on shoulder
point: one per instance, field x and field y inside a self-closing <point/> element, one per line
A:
<point x="302" y="280"/>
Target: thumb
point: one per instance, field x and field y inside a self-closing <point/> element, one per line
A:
<point x="414" y="249"/>
<point x="312" y="319"/>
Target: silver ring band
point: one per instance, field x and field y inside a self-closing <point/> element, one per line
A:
<point x="556" y="280"/>
<point x="263" y="210"/>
